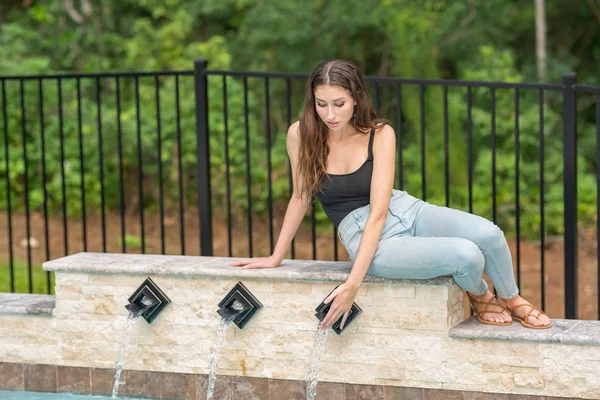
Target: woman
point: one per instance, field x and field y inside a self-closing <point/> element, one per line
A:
<point x="341" y="152"/>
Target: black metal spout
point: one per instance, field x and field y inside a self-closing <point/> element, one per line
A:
<point x="140" y="305"/>
<point x="239" y="305"/>
<point x="233" y="309"/>
<point x="148" y="301"/>
<point x="322" y="310"/>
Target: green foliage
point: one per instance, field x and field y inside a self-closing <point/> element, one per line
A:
<point x="488" y="41"/>
<point x="21" y="278"/>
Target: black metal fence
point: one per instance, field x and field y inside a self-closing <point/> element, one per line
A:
<point x="155" y="162"/>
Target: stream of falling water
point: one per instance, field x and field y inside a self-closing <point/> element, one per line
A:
<point x="131" y="320"/>
<point x="315" y="359"/>
<point x="216" y="350"/>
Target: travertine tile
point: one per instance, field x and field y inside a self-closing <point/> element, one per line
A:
<point x="364" y="392"/>
<point x="280" y="389"/>
<point x="11" y="376"/>
<point x="73" y="380"/>
<point x="40" y="378"/>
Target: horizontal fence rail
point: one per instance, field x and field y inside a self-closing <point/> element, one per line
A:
<point x="194" y="162"/>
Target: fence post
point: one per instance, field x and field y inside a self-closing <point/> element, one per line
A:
<point x="202" y="155"/>
<point x="570" y="192"/>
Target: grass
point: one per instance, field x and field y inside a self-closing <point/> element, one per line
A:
<point x="21" y="278"/>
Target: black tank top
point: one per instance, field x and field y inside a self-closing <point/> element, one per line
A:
<point x="341" y="194"/>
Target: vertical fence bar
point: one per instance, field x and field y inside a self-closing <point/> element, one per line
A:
<point x="44" y="183"/>
<point x="423" y="143"/>
<point x="101" y="162"/>
<point x="26" y="186"/>
<point x="227" y="167"/>
<point x="377" y="98"/>
<point x="288" y="97"/>
<point x="542" y="205"/>
<point x="11" y="267"/>
<point x="598" y="199"/>
<point x="120" y="154"/>
<point x="493" y="139"/>
<point x="517" y="185"/>
<point x="446" y="149"/>
<point x="399" y="133"/>
<point x="81" y="165"/>
<point x="179" y="168"/>
<point x="61" y="136"/>
<point x="470" y="147"/>
<point x="140" y="163"/>
<point x="335" y="247"/>
<point x="570" y="192"/>
<point x="203" y="155"/>
<point x="160" y="167"/>
<point x="248" y="174"/>
<point x="269" y="180"/>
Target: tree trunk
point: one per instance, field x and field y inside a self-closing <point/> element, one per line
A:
<point x="540" y="38"/>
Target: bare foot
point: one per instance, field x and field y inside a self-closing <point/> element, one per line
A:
<point x="495" y="312"/>
<point x="536" y="316"/>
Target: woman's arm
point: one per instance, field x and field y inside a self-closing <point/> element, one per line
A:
<point x="296" y="210"/>
<point x="382" y="183"/>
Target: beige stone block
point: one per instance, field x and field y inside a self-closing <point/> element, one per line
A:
<point x="391" y="290"/>
<point x="425" y="371"/>
<point x="77" y="350"/>
<point x="469" y="388"/>
<point x="500" y="381"/>
<point x="68" y="291"/>
<point x="510" y="369"/>
<point x="562" y="352"/>
<point x="66" y="278"/>
<point x="216" y="286"/>
<point x="404" y="318"/>
<point x="98" y="290"/>
<point x="455" y="318"/>
<point x="463" y="373"/>
<point x="322" y="289"/>
<point x="529" y="380"/>
<point x="71" y="307"/>
<point x="286" y="368"/>
<point x="347" y="372"/>
<point x="378" y="340"/>
<point x="407" y="383"/>
<point x="102" y="279"/>
<point x="292" y="287"/>
<point x="455" y="295"/>
<point x="260" y="286"/>
<point x="431" y="292"/>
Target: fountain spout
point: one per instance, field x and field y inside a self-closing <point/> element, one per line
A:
<point x="148" y="301"/>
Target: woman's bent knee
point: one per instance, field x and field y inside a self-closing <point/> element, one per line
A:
<point x="490" y="236"/>
<point x="469" y="258"/>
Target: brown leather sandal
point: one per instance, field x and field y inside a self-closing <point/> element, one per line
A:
<point x="479" y="314"/>
<point x="523" y="320"/>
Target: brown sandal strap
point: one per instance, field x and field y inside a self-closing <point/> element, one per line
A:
<point x="487" y="305"/>
<point x="533" y="308"/>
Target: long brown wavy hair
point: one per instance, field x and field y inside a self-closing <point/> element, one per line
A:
<point x="314" y="148"/>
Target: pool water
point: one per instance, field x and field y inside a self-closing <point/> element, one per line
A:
<point x="12" y="395"/>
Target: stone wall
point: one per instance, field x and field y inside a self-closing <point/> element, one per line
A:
<point x="407" y="336"/>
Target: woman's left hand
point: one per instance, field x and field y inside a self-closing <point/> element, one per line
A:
<point x="342" y="297"/>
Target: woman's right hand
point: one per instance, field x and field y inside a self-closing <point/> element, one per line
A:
<point x="257" y="262"/>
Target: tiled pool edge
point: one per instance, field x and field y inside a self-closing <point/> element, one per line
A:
<point x="167" y="385"/>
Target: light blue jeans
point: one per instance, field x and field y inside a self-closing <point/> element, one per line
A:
<point x="421" y="241"/>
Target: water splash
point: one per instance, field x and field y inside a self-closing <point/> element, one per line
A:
<point x="131" y="320"/>
<point x="317" y="353"/>
<point x="216" y="350"/>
